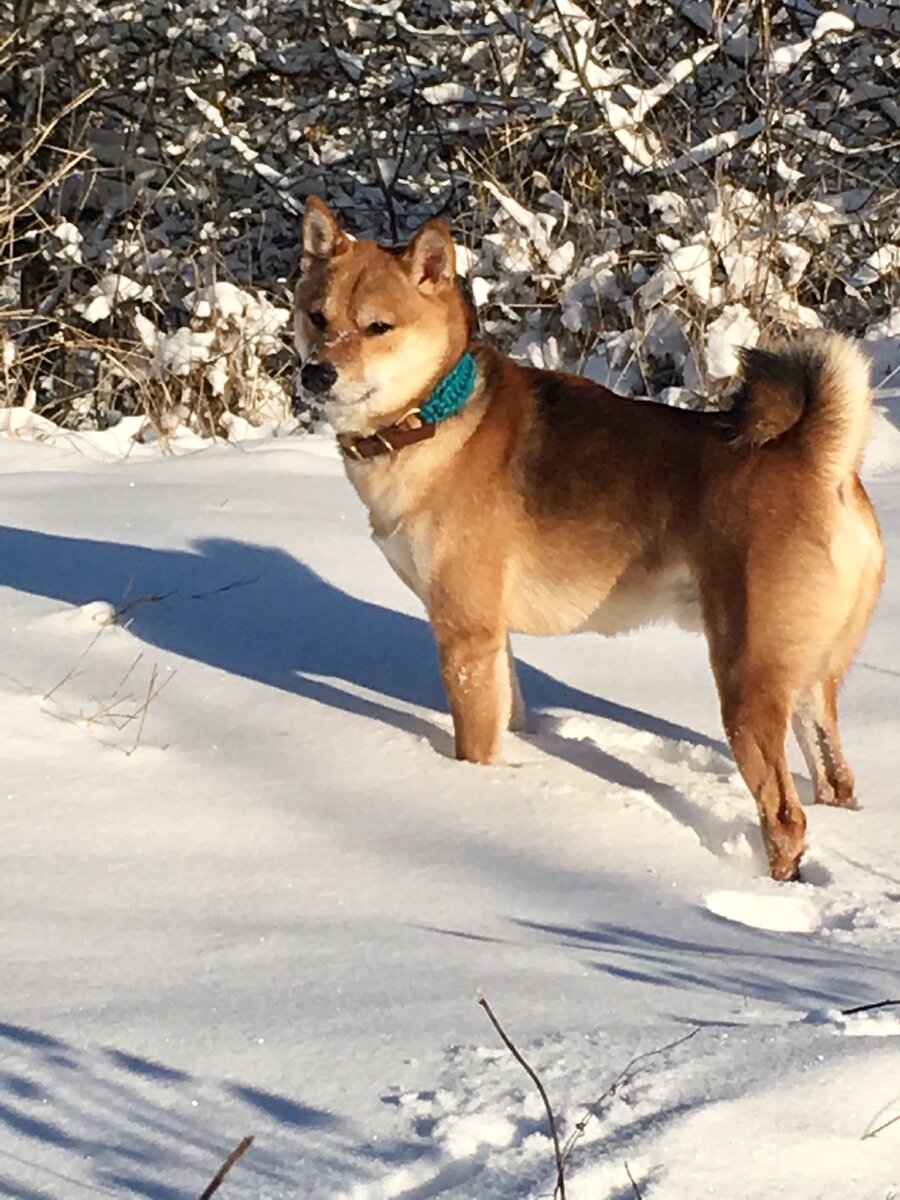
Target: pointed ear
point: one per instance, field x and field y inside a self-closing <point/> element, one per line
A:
<point x="430" y="257"/>
<point x="322" y="236"/>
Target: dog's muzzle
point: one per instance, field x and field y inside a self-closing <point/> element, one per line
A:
<point x="318" y="378"/>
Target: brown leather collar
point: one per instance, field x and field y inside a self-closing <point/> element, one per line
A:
<point x="406" y="432"/>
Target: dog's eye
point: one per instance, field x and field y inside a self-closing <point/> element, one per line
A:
<point x="317" y="319"/>
<point x="377" y="328"/>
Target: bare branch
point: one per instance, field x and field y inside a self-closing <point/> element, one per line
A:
<point x="879" y="1128"/>
<point x="634" y="1186"/>
<point x="850" y="1012"/>
<point x="560" y="1188"/>
<point x="216" y="1182"/>
<point x="77" y="663"/>
<point x="623" y="1076"/>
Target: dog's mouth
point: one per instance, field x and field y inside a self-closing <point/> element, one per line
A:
<point x="330" y="399"/>
<point x="320" y="385"/>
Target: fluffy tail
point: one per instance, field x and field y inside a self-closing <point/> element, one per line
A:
<point x="813" y="391"/>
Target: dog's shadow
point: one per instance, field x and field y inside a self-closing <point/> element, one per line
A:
<point x="257" y="612"/>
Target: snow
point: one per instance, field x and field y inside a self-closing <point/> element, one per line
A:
<point x="537" y="227"/>
<point x="444" y="93"/>
<point x="733" y="328"/>
<point x="784" y="914"/>
<point x="691" y="267"/>
<point x="883" y="263"/>
<point x="109" y="291"/>
<point x="70" y="239"/>
<point x="263" y="900"/>
<point x="785" y="57"/>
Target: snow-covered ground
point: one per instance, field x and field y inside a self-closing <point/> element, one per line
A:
<point x="244" y="888"/>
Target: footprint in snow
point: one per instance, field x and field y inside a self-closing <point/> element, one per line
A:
<point x="696" y="786"/>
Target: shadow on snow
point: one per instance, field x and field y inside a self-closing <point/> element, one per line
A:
<point x="257" y="612"/>
<point x="104" y="1120"/>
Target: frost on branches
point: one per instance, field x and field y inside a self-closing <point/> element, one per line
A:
<point x="637" y="188"/>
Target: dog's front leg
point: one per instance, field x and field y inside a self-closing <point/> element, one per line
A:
<point x="518" y="717"/>
<point x="476" y="673"/>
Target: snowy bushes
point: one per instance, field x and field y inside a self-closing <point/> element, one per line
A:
<point x="639" y="185"/>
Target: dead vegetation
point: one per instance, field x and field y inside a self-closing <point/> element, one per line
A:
<point x="640" y="184"/>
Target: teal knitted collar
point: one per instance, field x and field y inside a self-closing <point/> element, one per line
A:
<point x="419" y="423"/>
<point x="451" y="393"/>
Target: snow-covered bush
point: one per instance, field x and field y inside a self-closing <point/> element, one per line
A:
<point x="639" y="185"/>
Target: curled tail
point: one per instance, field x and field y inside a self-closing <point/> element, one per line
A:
<point x="813" y="391"/>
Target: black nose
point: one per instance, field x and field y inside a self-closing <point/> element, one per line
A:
<point x="317" y="378"/>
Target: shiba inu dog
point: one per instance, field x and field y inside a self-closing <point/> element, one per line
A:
<point x="518" y="500"/>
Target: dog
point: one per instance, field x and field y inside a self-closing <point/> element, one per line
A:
<point x="512" y="499"/>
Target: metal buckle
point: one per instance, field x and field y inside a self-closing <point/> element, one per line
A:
<point x="350" y="449"/>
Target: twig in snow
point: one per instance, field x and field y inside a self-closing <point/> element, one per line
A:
<point x="624" y="1075"/>
<point x="151" y="695"/>
<point x="75" y="665"/>
<point x="634" y="1186"/>
<point x="128" y="605"/>
<point x="107" y="711"/>
<point x="113" y="619"/>
<point x="128" y="673"/>
<point x="114" y="712"/>
<point x="560" y="1188"/>
<point x="849" y="1012"/>
<point x="870" y="1133"/>
<point x="226" y="587"/>
<point x="216" y="1181"/>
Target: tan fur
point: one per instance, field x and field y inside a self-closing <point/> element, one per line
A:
<point x="821" y="380"/>
<point x="549" y="505"/>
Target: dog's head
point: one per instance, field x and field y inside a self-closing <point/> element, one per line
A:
<point x="375" y="329"/>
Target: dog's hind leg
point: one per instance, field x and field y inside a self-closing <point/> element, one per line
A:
<point x="815" y="716"/>
<point x="756" y="717"/>
<point x="816" y="730"/>
<point x="750" y="658"/>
